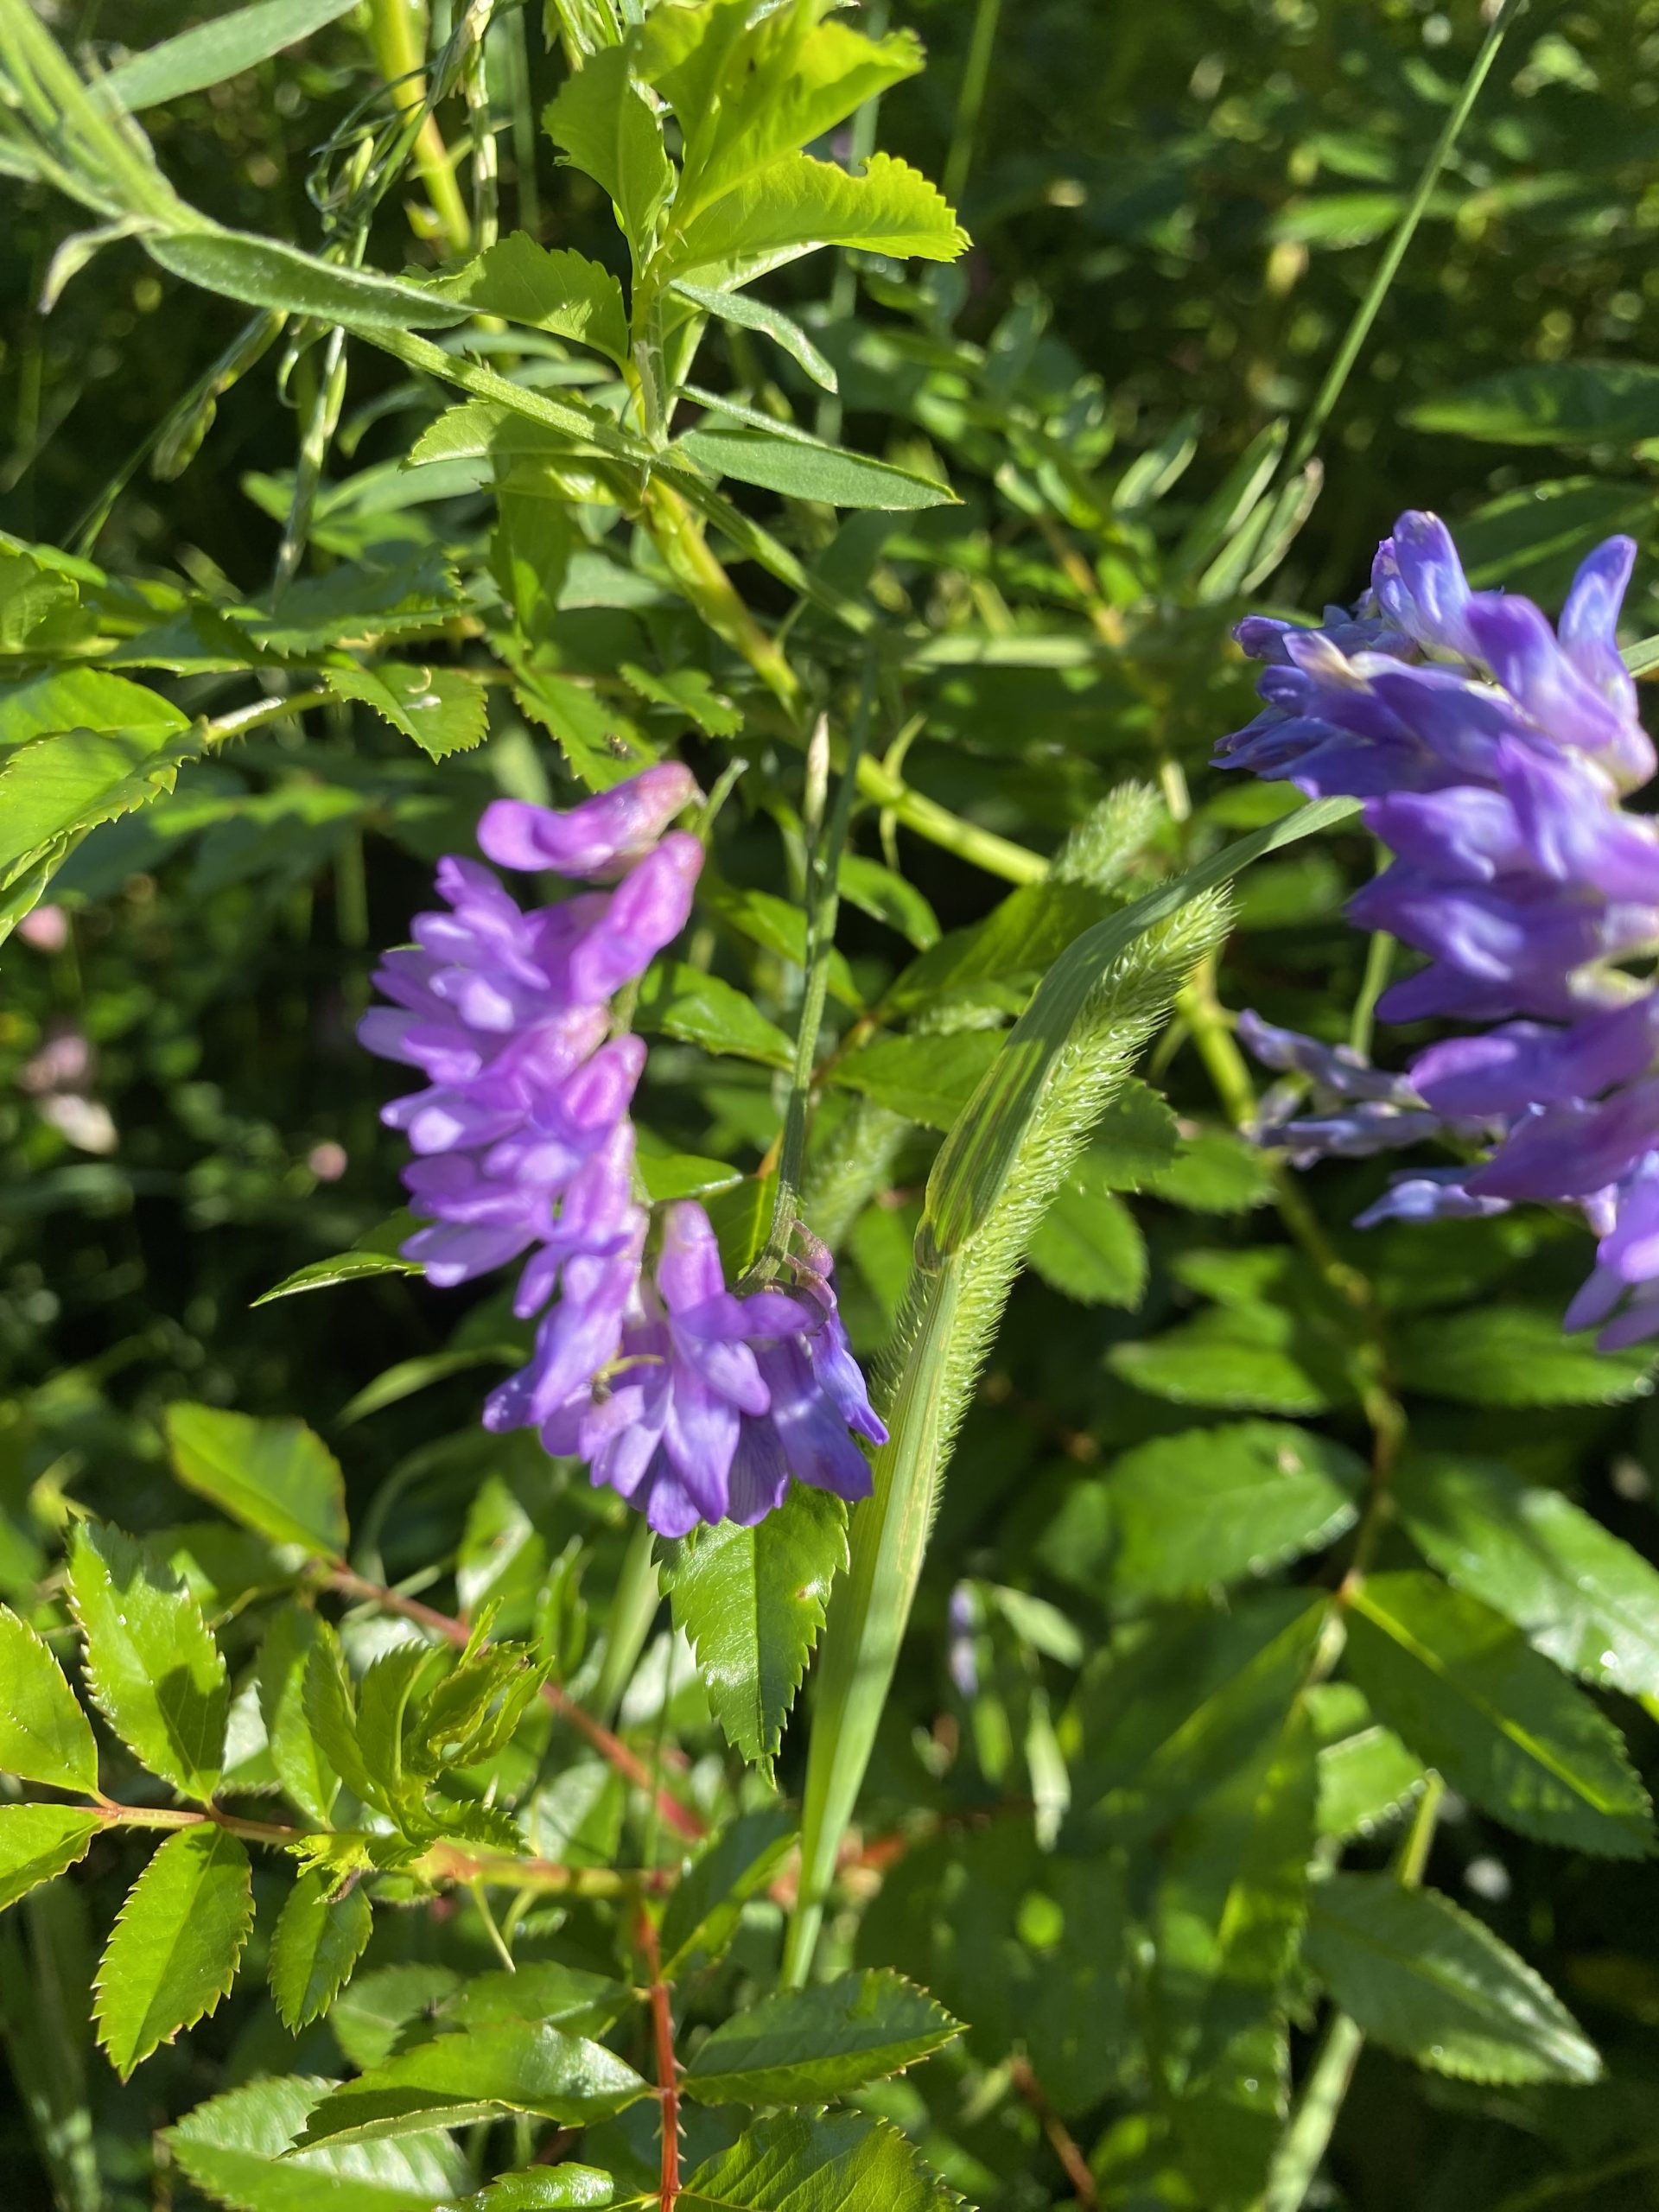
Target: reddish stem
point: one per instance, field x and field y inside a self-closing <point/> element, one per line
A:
<point x="668" y="2072"/>
<point x="1061" y="2140"/>
<point x="628" y="1764"/>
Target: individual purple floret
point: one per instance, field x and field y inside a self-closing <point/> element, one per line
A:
<point x="694" y="1403"/>
<point x="1491" y="754"/>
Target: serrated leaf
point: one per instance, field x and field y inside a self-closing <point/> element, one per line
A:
<point x="214" y="51"/>
<point x="602" y="120"/>
<point x="53" y="788"/>
<point x="478" y="2074"/>
<point x="751" y="1602"/>
<point x="38" y="1842"/>
<point x="235" y="2149"/>
<point x="317" y="1940"/>
<point x="444" y="710"/>
<point x="154" y="1670"/>
<point x="1471" y="1697"/>
<point x="59" y="699"/>
<point x="1582" y="1596"/>
<point x="1087" y="1246"/>
<point x="29" y="592"/>
<point x="343" y="1267"/>
<point x="1252" y="1359"/>
<point x="838" y="2162"/>
<point x="330" y="1705"/>
<point x="277" y="1477"/>
<point x="795" y="204"/>
<point x="1429" y="1981"/>
<point x="927" y="1079"/>
<point x="1212" y="1505"/>
<point x="301" y="1765"/>
<point x="1517" y="1356"/>
<point x="686" y="691"/>
<point x="1014" y="944"/>
<point x="706" y="1904"/>
<point x="541" y="1990"/>
<point x="749" y="313"/>
<point x="44" y="1735"/>
<point x="353" y="604"/>
<point x="601" y="744"/>
<point x="1366" y="1774"/>
<point x="374" y="2012"/>
<point x="173" y="1951"/>
<point x="681" y="1002"/>
<point x="804" y="2046"/>
<point x="560" y="291"/>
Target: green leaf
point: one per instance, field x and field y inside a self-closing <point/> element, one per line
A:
<point x="838" y="2162"/>
<point x="355" y="1266"/>
<point x="759" y="314"/>
<point x="373" y="2014"/>
<point x="1432" y="1983"/>
<point x="1550" y="403"/>
<point x="1018" y="939"/>
<point x="300" y="1765"/>
<point x="214" y="51"/>
<point x="1366" y="1774"/>
<point x="1087" y="1245"/>
<point x="775" y="925"/>
<point x="1581" y="1595"/>
<point x="780" y="458"/>
<point x="44" y="1735"/>
<point x="173" y="1951"/>
<point x="804" y="2046"/>
<point x="1471" y="1697"/>
<point x="1214" y="1171"/>
<point x="541" y="1990"/>
<point x="60" y="699"/>
<point x="55" y="787"/>
<point x="1212" y="1505"/>
<point x="668" y="1174"/>
<point x="353" y="602"/>
<point x="330" y="1707"/>
<point x="444" y="710"/>
<point x="927" y="1079"/>
<point x="235" y="2149"/>
<point x="543" y="2189"/>
<point x="686" y="692"/>
<point x="882" y="893"/>
<point x="277" y="1477"/>
<point x="39" y="1841"/>
<point x="601" y="744"/>
<point x="561" y="292"/>
<point x="317" y="1940"/>
<point x="797" y="204"/>
<point x="603" y="120"/>
<point x="263" y="273"/>
<point x="478" y="2074"/>
<point x="28" y="593"/>
<point x="1533" y="538"/>
<point x="1517" y="1356"/>
<point x="706" y="1904"/>
<point x="1256" y="1359"/>
<point x="751" y="1602"/>
<point x="153" y="1668"/>
<point x="677" y="1001"/>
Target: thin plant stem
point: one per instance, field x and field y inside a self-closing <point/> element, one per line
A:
<point x="1379" y="959"/>
<point x="1365" y="314"/>
<point x="393" y="27"/>
<point x="822" y="903"/>
<point x="843" y="286"/>
<point x="492" y="1929"/>
<point x="970" y="100"/>
<point x="668" y="2071"/>
<point x="634" y="1608"/>
<point x="1302" y="2149"/>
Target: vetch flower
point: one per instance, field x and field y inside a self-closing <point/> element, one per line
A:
<point x="693" y="1402"/>
<point x="1491" y="754"/>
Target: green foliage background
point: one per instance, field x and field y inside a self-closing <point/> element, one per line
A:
<point x="1120" y="1734"/>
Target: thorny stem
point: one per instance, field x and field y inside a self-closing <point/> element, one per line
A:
<point x="611" y="1748"/>
<point x="1061" y="2140"/>
<point x="668" y="2073"/>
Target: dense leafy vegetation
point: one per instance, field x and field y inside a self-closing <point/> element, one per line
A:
<point x="1212" y="1771"/>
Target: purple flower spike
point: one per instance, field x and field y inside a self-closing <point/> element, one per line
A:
<point x="1490" y="751"/>
<point x="694" y="1403"/>
<point x="596" y="840"/>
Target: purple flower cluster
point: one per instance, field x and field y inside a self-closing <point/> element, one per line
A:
<point x="694" y="1403"/>
<point x="1491" y="754"/>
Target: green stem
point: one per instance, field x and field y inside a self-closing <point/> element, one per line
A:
<point x="984" y="849"/>
<point x="843" y="288"/>
<point x="1302" y="2150"/>
<point x="1379" y="958"/>
<point x="970" y="100"/>
<point x="822" y="903"/>
<point x="1360" y="329"/>
<point x="678" y="536"/>
<point x="634" y="1608"/>
<point x="396" y="34"/>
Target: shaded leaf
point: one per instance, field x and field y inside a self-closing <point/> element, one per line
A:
<point x="927" y="1079"/>
<point x="704" y="1907"/>
<point x="678" y="1000"/>
<point x="1088" y="1246"/>
<point x="476" y="2074"/>
<point x="1471" y="1697"/>
<point x="39" y="1841"/>
<point x="173" y="1951"/>
<point x="1550" y="403"/>
<point x="235" y="2149"/>
<point x="1517" y="1356"/>
<point x="750" y="314"/>
<point x="1432" y="1983"/>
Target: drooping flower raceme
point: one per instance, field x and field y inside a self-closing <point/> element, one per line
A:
<point x="1492" y="754"/>
<point x="695" y="1404"/>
